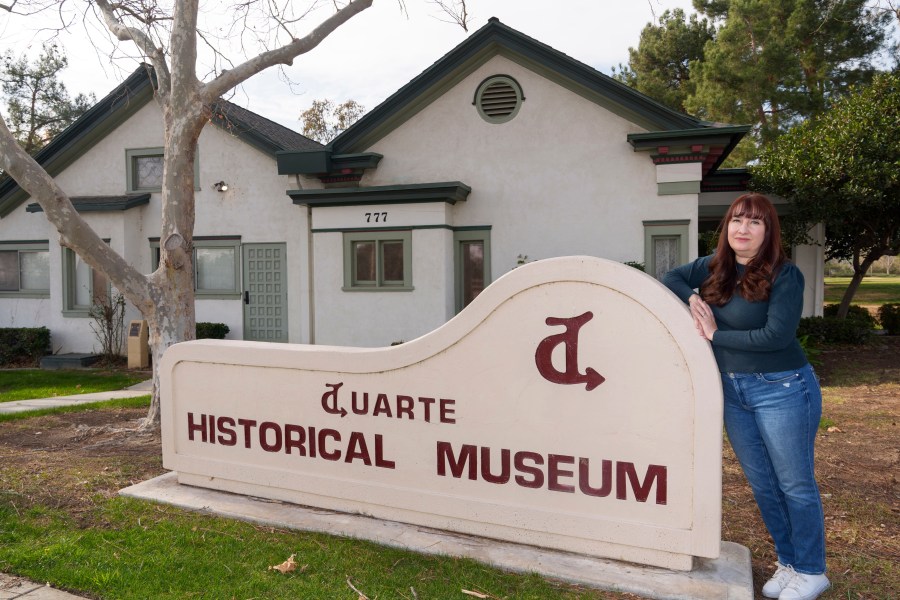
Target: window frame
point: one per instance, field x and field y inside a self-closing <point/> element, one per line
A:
<point x="378" y="238"/>
<point x="21" y="247"/>
<point x="69" y="279"/>
<point x="131" y="156"/>
<point x="233" y="242"/>
<point x="653" y="230"/>
<point x="469" y="235"/>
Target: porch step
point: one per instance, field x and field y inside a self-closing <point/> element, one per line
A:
<point x="72" y="360"/>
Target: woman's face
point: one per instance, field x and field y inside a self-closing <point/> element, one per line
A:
<point x="746" y="236"/>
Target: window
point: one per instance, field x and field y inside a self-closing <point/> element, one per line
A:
<point x="498" y="99"/>
<point x="144" y="170"/>
<point x="378" y="260"/>
<point x="25" y="269"/>
<point x="473" y="264"/>
<point x="665" y="246"/>
<point x="83" y="287"/>
<point x="216" y="266"/>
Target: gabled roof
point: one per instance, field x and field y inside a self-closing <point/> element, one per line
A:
<point x="125" y="100"/>
<point x="496" y="38"/>
<point x="258" y="131"/>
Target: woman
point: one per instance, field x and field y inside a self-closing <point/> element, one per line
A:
<point x="748" y="306"/>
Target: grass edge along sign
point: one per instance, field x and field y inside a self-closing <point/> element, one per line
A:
<point x="571" y="406"/>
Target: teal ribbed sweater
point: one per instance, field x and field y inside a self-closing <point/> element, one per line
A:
<point x="752" y="337"/>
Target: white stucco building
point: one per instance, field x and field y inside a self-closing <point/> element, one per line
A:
<point x="504" y="148"/>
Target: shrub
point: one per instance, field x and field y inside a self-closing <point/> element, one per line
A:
<point x="889" y="315"/>
<point x="831" y="330"/>
<point x="637" y="265"/>
<point x="23" y="344"/>
<point x="856" y="313"/>
<point x="109" y="326"/>
<point x="214" y="331"/>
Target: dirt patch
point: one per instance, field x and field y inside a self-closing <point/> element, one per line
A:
<point x="72" y="460"/>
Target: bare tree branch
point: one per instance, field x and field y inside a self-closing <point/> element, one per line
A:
<point x="284" y="55"/>
<point x="145" y="44"/>
<point x="456" y="10"/>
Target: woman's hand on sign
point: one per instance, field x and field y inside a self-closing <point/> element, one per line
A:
<point x="703" y="317"/>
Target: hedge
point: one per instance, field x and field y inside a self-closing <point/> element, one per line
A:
<point x="23" y="344"/>
<point x="855" y="313"/>
<point x="889" y="315"/>
<point x="831" y="330"/>
<point x="215" y="331"/>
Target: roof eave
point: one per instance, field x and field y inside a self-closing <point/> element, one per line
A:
<point x="126" y="99"/>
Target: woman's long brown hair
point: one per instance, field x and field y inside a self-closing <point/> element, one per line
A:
<point x="760" y="271"/>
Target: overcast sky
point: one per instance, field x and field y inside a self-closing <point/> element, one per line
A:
<point x="378" y="51"/>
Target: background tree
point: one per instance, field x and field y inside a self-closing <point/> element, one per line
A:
<point x="38" y="106"/>
<point x="776" y="62"/>
<point x="323" y="121"/>
<point x="169" y="42"/>
<point x="843" y="169"/>
<point x="660" y="66"/>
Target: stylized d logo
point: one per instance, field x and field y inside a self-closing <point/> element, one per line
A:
<point x="569" y="337"/>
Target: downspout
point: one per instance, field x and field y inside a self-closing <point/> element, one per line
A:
<point x="312" y="278"/>
<point x="310" y="268"/>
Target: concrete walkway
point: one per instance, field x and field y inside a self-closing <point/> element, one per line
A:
<point x="16" y="587"/>
<point x="140" y="389"/>
<point x="12" y="587"/>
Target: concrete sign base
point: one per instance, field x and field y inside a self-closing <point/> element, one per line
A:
<point x="727" y="577"/>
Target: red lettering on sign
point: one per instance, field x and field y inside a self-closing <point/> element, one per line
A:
<point x="528" y="465"/>
<point x="542" y="356"/>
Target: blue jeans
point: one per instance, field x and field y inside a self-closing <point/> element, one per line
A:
<point x="772" y="420"/>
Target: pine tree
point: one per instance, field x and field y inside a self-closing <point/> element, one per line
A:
<point x="38" y="105"/>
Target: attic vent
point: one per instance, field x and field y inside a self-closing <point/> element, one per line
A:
<point x="498" y="99"/>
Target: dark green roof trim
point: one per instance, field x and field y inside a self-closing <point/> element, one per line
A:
<point x="725" y="137"/>
<point x="406" y="228"/>
<point x="100" y="203"/>
<point x="683" y="137"/>
<point x="450" y="192"/>
<point x="320" y="162"/>
<point x="488" y="41"/>
<point x="110" y="112"/>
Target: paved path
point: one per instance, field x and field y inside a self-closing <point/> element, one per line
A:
<point x="12" y="587"/>
<point x="16" y="587"/>
<point x="140" y="389"/>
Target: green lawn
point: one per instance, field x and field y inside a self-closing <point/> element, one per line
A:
<point x="872" y="291"/>
<point x="25" y="384"/>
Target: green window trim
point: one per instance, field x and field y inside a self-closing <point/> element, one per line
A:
<point x="657" y="231"/>
<point x="69" y="281"/>
<point x="132" y="155"/>
<point x="380" y="241"/>
<point x="20" y="249"/>
<point x="212" y="243"/>
<point x="460" y="238"/>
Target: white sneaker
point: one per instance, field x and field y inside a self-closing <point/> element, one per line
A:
<point x="805" y="587"/>
<point x="783" y="574"/>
